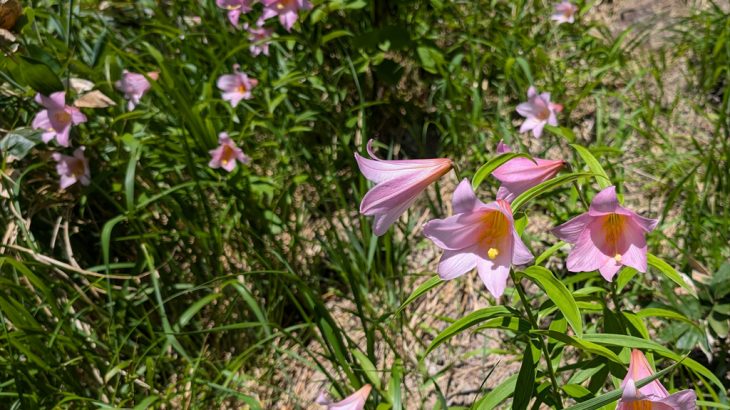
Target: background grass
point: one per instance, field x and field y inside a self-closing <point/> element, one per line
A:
<point x="169" y="283"/>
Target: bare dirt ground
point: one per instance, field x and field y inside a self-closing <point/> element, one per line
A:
<point x="461" y="366"/>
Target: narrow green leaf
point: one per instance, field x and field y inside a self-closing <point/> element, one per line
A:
<point x="494" y="163"/>
<point x="420" y="290"/>
<point x="526" y="378"/>
<point x="368" y="368"/>
<point x="593" y="165"/>
<point x="498" y="395"/>
<point x="546" y="186"/>
<point x="394" y="386"/>
<point x="558" y="294"/>
<point x="667" y="314"/>
<point x="668" y="272"/>
<point x="195" y="308"/>
<point x="466" y="322"/>
<point x="582" y="344"/>
<point x="631" y="342"/>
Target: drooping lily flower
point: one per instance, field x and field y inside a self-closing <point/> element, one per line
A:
<point x="653" y="395"/>
<point x="606" y="237"/>
<point x="72" y="169"/>
<point x="478" y="235"/>
<point x="287" y="10"/>
<point x="236" y="86"/>
<point x="538" y="111"/>
<point x="355" y="401"/>
<point x="564" y="12"/>
<point x="258" y="36"/>
<point x="227" y="153"/>
<point x="134" y="86"/>
<point x="520" y="174"/>
<point x="235" y="9"/>
<point x="57" y="118"/>
<point x="397" y="185"/>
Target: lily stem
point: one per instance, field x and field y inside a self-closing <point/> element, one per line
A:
<point x="543" y="345"/>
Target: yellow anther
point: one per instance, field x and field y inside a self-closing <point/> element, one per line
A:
<point x="617" y="257"/>
<point x="492" y="253"/>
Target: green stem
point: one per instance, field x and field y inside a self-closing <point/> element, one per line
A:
<point x="543" y="345"/>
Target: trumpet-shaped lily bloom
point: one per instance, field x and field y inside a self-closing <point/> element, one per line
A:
<point x="538" y="111"/>
<point x="287" y="10"/>
<point x="258" y="36"/>
<point x="72" y="169"/>
<point x="397" y="185"/>
<point x="480" y="236"/>
<point x="236" y="86"/>
<point x="134" y="86"/>
<point x="520" y="174"/>
<point x="355" y="401"/>
<point x="227" y="153"/>
<point x="564" y="12"/>
<point x="57" y="118"/>
<point x="235" y="9"/>
<point x="653" y="395"/>
<point x="606" y="237"/>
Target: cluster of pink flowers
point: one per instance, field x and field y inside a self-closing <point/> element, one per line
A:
<point x="483" y="236"/>
<point x="57" y="118"/>
<point x="287" y="12"/>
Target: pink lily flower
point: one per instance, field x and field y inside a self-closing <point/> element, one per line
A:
<point x="397" y="185"/>
<point x="57" y="118"/>
<point x="480" y="236"/>
<point x="653" y="395"/>
<point x="258" y="36"/>
<point x="236" y="86"/>
<point x="564" y="12"/>
<point x="355" y="401"/>
<point x="72" y="169"/>
<point x="520" y="174"/>
<point x="606" y="237"/>
<point x="287" y="10"/>
<point x="235" y="9"/>
<point x="227" y="153"/>
<point x="538" y="111"/>
<point x="134" y="86"/>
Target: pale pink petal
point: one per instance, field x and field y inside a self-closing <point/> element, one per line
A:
<point x="378" y="170"/>
<point x="604" y="202"/>
<point x="455" y="232"/>
<point x="288" y="19"/>
<point x="531" y="92"/>
<point x="502" y="148"/>
<point x="41" y="121"/>
<point x="553" y="119"/>
<point x="355" y="401"/>
<point x="537" y="131"/>
<point x="646" y="224"/>
<point x="77" y="117"/>
<point x="683" y="400"/>
<point x="228" y="82"/>
<point x="464" y="199"/>
<point x="521" y="255"/>
<point x="609" y="270"/>
<point x="233" y="16"/>
<point x="383" y="221"/>
<point x="494" y="273"/>
<point x="67" y="181"/>
<point x="58" y="99"/>
<point x="586" y="255"/>
<point x="456" y="263"/>
<point x="639" y="369"/>
<point x="528" y="109"/>
<point x="632" y="246"/>
<point x="571" y="230"/>
<point x="62" y="137"/>
<point x="392" y="192"/>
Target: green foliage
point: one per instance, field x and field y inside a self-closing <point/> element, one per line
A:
<point x="166" y="283"/>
